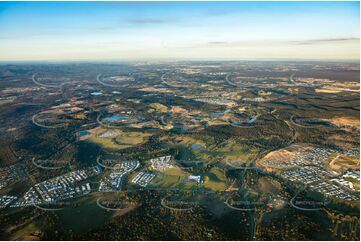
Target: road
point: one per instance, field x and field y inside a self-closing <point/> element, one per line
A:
<point x="231" y="83"/>
<point x="303" y="126"/>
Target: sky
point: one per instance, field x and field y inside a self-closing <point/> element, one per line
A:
<point x="86" y="31"/>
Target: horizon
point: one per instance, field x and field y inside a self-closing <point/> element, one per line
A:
<point x="154" y="61"/>
<point x="178" y="31"/>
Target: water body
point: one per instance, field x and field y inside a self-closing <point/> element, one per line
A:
<point x="251" y="119"/>
<point x="150" y="128"/>
<point x="84" y="133"/>
<point x="217" y="113"/>
<point x="195" y="146"/>
<point x="140" y="117"/>
<point x="116" y="118"/>
<point x="96" y="93"/>
<point x="180" y="127"/>
<point x="205" y="124"/>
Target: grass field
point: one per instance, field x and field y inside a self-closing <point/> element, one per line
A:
<point x="189" y="140"/>
<point x="233" y="150"/>
<point x="170" y="178"/>
<point x="110" y="139"/>
<point x="168" y="181"/>
<point x="341" y="161"/>
<point x="25" y="233"/>
<point x="216" y="180"/>
<point x="159" y="107"/>
<point x="268" y="185"/>
<point x="175" y="171"/>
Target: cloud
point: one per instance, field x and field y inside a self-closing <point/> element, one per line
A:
<point x="240" y="43"/>
<point x="282" y="42"/>
<point x="324" y="41"/>
<point x="217" y="42"/>
<point x="135" y="22"/>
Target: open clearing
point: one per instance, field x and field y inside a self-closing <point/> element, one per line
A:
<point x="116" y="139"/>
<point x="282" y="155"/>
<point x="344" y="162"/>
<point x="344" y="121"/>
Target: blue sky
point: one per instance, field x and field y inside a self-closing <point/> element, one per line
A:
<point x="178" y="30"/>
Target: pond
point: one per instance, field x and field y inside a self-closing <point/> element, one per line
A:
<point x="96" y="93"/>
<point x="195" y="146"/>
<point x="84" y="133"/>
<point x="116" y="118"/>
<point x="251" y="119"/>
<point x="217" y="113"/>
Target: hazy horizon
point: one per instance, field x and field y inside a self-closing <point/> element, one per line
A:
<point x="179" y="31"/>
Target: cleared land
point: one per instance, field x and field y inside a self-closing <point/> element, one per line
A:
<point x="116" y="139"/>
<point x="344" y="162"/>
